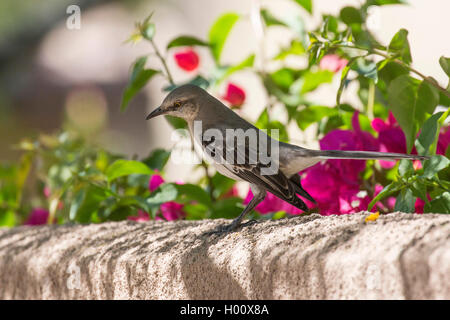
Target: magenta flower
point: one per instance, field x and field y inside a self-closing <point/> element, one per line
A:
<point x="335" y="184"/>
<point x="172" y="211"/>
<point x="141" y="216"/>
<point x="234" y="95"/>
<point x="37" y="217"/>
<point x="390" y="137"/>
<point x="349" y="140"/>
<point x="47" y="192"/>
<point x="233" y="192"/>
<point x="169" y="210"/>
<point x="155" y="181"/>
<point x="444" y="140"/>
<point x="187" y="59"/>
<point x="332" y="62"/>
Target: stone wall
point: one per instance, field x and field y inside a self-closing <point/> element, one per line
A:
<point x="398" y="256"/>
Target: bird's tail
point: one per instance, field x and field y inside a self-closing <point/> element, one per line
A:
<point x="364" y="155"/>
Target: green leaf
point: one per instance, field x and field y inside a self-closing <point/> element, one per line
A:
<point x="157" y="159"/>
<point x="399" y="45"/>
<point x="86" y="202"/>
<point x="440" y="204"/>
<point x="296" y="48"/>
<point x="227" y="208"/>
<point x="221" y="185"/>
<point x="387" y="72"/>
<point x="7" y="218"/>
<point x="190" y="192"/>
<point x="176" y="123"/>
<point x="148" y="31"/>
<point x="434" y="165"/>
<point x="219" y="32"/>
<point x="350" y="15"/>
<point x="121" y="213"/>
<point x="427" y="98"/>
<point x="313" y="114"/>
<point x="23" y="171"/>
<point x="183" y="41"/>
<point x="136" y="201"/>
<point x="343" y="82"/>
<point x="384" y="2"/>
<point x="139" y="78"/>
<point x="165" y="193"/>
<point x="445" y="64"/>
<point x="306" y="4"/>
<point x="405" y="201"/>
<point x="270" y="20"/>
<point x="196" y="211"/>
<point x="387" y="191"/>
<point x="428" y="134"/>
<point x="198" y="81"/>
<point x="405" y="168"/>
<point x="246" y="63"/>
<point x="121" y="168"/>
<point x="76" y="203"/>
<point x="366" y="68"/>
<point x="419" y="189"/>
<point x="311" y="80"/>
<point x="284" y="77"/>
<point x="402" y="101"/>
<point x="265" y="123"/>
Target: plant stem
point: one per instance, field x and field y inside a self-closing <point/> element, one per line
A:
<point x="371" y="100"/>
<point x="163" y="62"/>
<point x="379" y="53"/>
<point x="208" y="180"/>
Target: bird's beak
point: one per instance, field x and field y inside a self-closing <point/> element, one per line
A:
<point x="157" y="112"/>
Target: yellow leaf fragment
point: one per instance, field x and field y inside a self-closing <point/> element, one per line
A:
<point x="372" y="217"/>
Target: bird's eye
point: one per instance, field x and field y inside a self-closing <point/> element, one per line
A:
<point x="177" y="104"/>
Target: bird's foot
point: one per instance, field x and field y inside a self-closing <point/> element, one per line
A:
<point x="233" y="226"/>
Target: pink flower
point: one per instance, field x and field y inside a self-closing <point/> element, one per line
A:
<point x="233" y="192"/>
<point x="419" y="205"/>
<point x="349" y="140"/>
<point x="333" y="194"/>
<point x="389" y="202"/>
<point x="335" y="184"/>
<point x="332" y="62"/>
<point x="349" y="202"/>
<point x="172" y="211"/>
<point x="444" y="140"/>
<point x="141" y="216"/>
<point x="187" y="59"/>
<point x="234" y="95"/>
<point x="155" y="181"/>
<point x="272" y="204"/>
<point x="47" y="191"/>
<point x="37" y="217"/>
<point x="169" y="210"/>
<point x="390" y="137"/>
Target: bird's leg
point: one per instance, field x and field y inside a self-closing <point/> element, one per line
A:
<point x="258" y="196"/>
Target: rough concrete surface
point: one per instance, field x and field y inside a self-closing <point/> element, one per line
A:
<point x="398" y="256"/>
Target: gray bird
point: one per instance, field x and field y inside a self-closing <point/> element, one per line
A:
<point x="201" y="110"/>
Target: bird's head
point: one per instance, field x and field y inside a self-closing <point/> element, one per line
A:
<point x="182" y="102"/>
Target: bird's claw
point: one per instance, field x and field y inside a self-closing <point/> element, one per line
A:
<point x="224" y="229"/>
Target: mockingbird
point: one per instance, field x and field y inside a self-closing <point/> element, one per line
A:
<point x="250" y="154"/>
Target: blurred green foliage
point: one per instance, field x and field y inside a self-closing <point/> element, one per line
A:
<point x="86" y="183"/>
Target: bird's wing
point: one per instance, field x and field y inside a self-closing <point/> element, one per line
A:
<point x="249" y="169"/>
